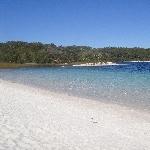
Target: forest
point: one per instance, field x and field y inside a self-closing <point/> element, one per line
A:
<point x="23" y="52"/>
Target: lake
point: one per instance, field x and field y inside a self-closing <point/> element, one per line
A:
<point x="124" y="84"/>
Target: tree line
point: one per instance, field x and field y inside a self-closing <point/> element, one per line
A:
<point x="36" y="52"/>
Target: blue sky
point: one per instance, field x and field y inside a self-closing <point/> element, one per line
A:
<point x="97" y="23"/>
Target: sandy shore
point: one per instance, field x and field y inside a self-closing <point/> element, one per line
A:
<point x="138" y="61"/>
<point x="97" y="64"/>
<point x="33" y="119"/>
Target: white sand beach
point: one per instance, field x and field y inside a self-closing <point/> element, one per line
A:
<point x="97" y="64"/>
<point x="34" y="119"/>
<point x="137" y="61"/>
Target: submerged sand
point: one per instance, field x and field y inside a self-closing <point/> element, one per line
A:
<point x="33" y="119"/>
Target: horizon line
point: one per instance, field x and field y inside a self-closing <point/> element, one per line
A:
<point x="65" y="45"/>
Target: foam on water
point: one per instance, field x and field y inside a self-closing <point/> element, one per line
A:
<point x="124" y="84"/>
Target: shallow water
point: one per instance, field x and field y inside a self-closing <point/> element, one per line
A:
<point x="127" y="84"/>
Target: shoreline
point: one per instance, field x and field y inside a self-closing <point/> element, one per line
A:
<point x="32" y="118"/>
<point x="137" y="61"/>
<point x="104" y="64"/>
<point x="14" y="65"/>
<point x="63" y="94"/>
<point x="96" y="64"/>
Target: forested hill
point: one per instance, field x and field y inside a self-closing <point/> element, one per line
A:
<point x="23" y="52"/>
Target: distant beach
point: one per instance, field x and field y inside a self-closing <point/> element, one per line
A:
<point x="96" y="64"/>
<point x="137" y="61"/>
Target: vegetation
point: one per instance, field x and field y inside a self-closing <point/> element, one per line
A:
<point x="22" y="52"/>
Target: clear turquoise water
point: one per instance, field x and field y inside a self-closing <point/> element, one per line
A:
<point x="124" y="84"/>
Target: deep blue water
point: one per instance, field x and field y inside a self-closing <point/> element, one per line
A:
<point x="127" y="84"/>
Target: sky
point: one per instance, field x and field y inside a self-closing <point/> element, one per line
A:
<point x="96" y="23"/>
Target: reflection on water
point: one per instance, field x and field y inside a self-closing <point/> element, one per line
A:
<point x="124" y="84"/>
